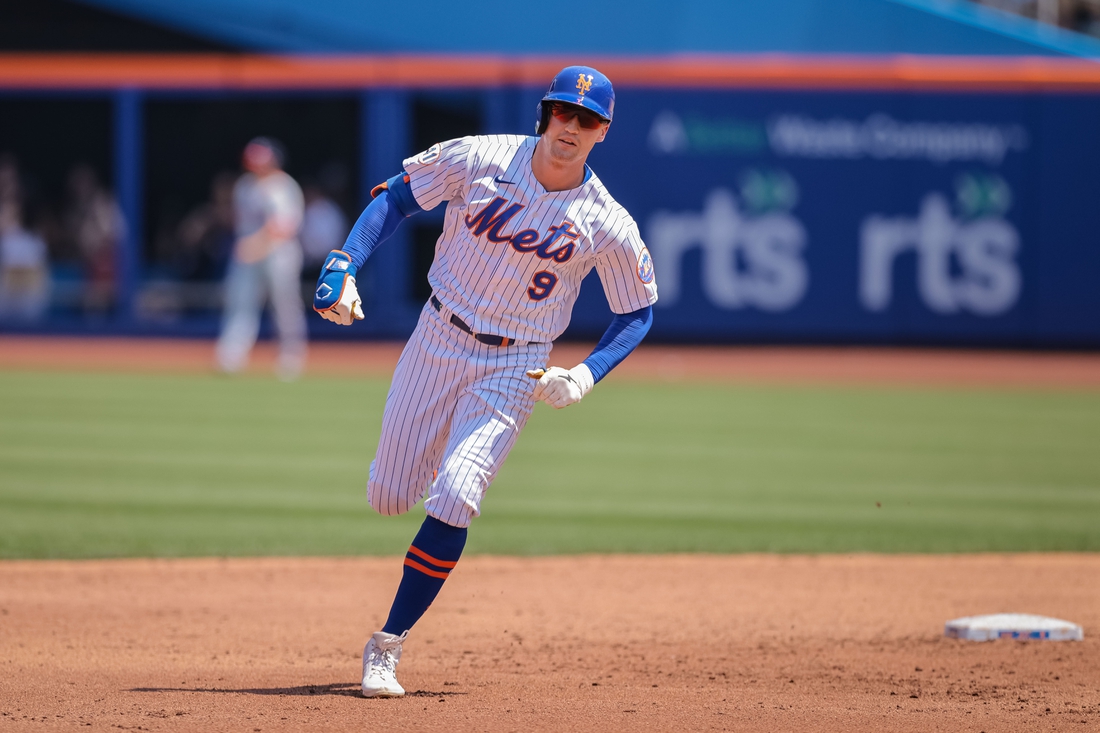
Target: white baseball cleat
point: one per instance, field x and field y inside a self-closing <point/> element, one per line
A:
<point x="380" y="658"/>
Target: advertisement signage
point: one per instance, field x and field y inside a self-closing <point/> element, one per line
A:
<point x="889" y="217"/>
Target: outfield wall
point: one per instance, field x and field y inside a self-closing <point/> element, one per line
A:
<point x="890" y="200"/>
<point x="865" y="216"/>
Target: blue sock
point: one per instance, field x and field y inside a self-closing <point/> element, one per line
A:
<point x="434" y="552"/>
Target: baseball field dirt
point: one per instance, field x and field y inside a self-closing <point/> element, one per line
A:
<point x="584" y="643"/>
<point x="853" y="365"/>
<point x="589" y="643"/>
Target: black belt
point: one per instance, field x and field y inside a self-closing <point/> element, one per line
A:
<point x="482" y="337"/>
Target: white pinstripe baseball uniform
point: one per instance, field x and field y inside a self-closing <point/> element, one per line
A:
<point x="509" y="263"/>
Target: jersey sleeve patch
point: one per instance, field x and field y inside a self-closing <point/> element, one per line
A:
<point x="645" y="266"/>
<point x="438" y="174"/>
<point x="430" y="155"/>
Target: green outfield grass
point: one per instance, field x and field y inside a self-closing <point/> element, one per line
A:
<point x="114" y="465"/>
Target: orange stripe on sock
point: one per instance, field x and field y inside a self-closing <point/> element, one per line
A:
<point x="432" y="573"/>
<point x="425" y="556"/>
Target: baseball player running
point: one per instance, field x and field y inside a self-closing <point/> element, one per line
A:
<point x="526" y="220"/>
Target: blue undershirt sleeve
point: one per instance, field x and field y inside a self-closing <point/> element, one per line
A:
<point x="402" y="194"/>
<point x="380" y="219"/>
<point x="621" y="337"/>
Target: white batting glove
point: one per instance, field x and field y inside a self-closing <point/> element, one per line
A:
<point x="348" y="308"/>
<point x="560" y="388"/>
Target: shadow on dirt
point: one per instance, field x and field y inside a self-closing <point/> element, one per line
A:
<point x="347" y="689"/>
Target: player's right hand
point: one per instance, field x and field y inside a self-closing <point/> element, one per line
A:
<point x="337" y="298"/>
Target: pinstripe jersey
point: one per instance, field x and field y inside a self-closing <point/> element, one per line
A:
<point x="512" y="255"/>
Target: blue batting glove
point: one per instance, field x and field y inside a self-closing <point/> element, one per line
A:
<point x="337" y="298"/>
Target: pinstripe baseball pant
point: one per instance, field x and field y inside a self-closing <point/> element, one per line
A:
<point x="454" y="411"/>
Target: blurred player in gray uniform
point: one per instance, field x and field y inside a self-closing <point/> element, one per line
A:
<point x="266" y="262"/>
<point x="526" y="221"/>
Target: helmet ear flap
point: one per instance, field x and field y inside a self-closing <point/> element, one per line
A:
<point x="542" y="117"/>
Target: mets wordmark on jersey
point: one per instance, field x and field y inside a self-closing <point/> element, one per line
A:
<point x="512" y="255"/>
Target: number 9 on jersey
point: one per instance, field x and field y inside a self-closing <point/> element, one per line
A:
<point x="542" y="284"/>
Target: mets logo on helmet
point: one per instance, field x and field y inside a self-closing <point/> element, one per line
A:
<point x="583" y="83"/>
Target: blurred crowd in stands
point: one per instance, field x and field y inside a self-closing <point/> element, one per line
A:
<point x="82" y="231"/>
<point x="59" y="249"/>
<point x="60" y="253"/>
<point x="1082" y="16"/>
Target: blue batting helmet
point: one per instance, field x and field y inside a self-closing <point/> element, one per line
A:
<point x="579" y="85"/>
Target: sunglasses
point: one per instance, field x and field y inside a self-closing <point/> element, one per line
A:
<point x="565" y="112"/>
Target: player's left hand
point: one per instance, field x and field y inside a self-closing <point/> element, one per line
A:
<point x="337" y="298"/>
<point x="560" y="387"/>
